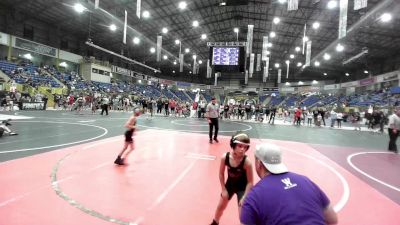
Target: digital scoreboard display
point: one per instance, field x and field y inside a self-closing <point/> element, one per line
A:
<point x="225" y="56"/>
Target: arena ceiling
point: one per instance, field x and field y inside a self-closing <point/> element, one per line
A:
<point x="365" y="31"/>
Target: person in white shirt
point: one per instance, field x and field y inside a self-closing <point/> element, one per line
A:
<point x="339" y="118"/>
<point x="393" y="129"/>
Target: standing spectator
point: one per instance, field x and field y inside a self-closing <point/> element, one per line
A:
<point x="309" y="118"/>
<point x="339" y="118"/>
<point x="212" y="115"/>
<point x="333" y="118"/>
<point x="393" y="129"/>
<point x="283" y="197"/>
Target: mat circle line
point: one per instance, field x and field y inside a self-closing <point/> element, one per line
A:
<point x="59" y="145"/>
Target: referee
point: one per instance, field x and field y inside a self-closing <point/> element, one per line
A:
<point x="212" y="113"/>
<point x="393" y="130"/>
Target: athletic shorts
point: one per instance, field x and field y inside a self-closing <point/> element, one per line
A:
<point x="232" y="189"/>
<point x="128" y="136"/>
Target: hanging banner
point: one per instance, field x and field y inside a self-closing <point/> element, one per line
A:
<point x="249" y="40"/>
<point x="125" y="25"/>
<point x="209" y="70"/>
<point x="96" y="4"/>
<point x="308" y="54"/>
<point x="279" y="76"/>
<point x="251" y="69"/>
<point x="344" y="4"/>
<point x="258" y="66"/>
<point x="359" y="4"/>
<point x="293" y="5"/>
<point x="304" y="35"/>
<point x="159" y="45"/>
<point x="246" y="77"/>
<point x="266" y="70"/>
<point x="287" y="70"/>
<point x="216" y="78"/>
<point x="138" y="8"/>
<point x="264" y="55"/>
<point x="180" y="62"/>
<point x="194" y="64"/>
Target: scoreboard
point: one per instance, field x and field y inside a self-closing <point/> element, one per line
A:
<point x="225" y="56"/>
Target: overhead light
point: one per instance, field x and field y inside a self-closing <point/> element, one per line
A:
<point x="236" y="30"/>
<point x="282" y="1"/>
<point x="204" y="36"/>
<point x="222" y="3"/>
<point x="190" y="72"/>
<point x="164" y="30"/>
<point x="79" y="8"/>
<point x="316" y="63"/>
<point x="267" y="52"/>
<point x="347" y="74"/>
<point x="272" y="34"/>
<point x="386" y="17"/>
<point x="297" y="49"/>
<point x="200" y="62"/>
<point x="339" y="48"/>
<point x="314" y="82"/>
<point x="300" y="83"/>
<point x="287" y="61"/>
<point x="194" y="57"/>
<point x="276" y="20"/>
<point x="305" y="39"/>
<point x="325" y="74"/>
<point x="28" y="56"/>
<point x="291" y="56"/>
<point x="332" y="4"/>
<point x="63" y="64"/>
<point x="187" y="50"/>
<point x="175" y="62"/>
<point x="173" y="71"/>
<point x="269" y="45"/>
<point x="146" y="14"/>
<point x="113" y="27"/>
<point x="315" y="25"/>
<point x="365" y="71"/>
<point x="182" y="5"/>
<point x="327" y="56"/>
<point x="165" y="57"/>
<point x="136" y="40"/>
<point x="287" y="84"/>
<point x="277" y="65"/>
<point x="152" y="49"/>
<point x="177" y="42"/>
<point x="299" y="64"/>
<point x="195" y="23"/>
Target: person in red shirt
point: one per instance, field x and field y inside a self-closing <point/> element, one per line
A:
<point x="297" y="116"/>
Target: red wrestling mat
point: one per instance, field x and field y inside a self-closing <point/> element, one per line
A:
<point x="171" y="179"/>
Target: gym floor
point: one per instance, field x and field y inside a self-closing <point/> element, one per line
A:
<point x="59" y="170"/>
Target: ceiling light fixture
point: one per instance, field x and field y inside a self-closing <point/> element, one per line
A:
<point x="136" y="40"/>
<point x="315" y="25"/>
<point x="332" y="4"/>
<point x="276" y="20"/>
<point x="164" y="30"/>
<point x="79" y="8"/>
<point x="113" y="27"/>
<point x="182" y="5"/>
<point x="272" y="34"/>
<point x="146" y="14"/>
<point x="386" y="17"/>
<point x="339" y="48"/>
<point x="195" y="23"/>
<point x="204" y="36"/>
<point x="316" y="63"/>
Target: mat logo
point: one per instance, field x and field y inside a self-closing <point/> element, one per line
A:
<point x="288" y="183"/>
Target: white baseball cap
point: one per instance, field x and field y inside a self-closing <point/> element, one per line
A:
<point x="271" y="156"/>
